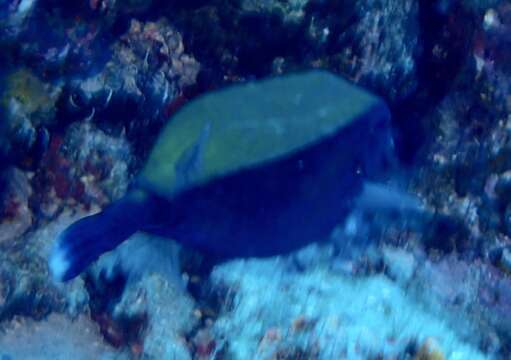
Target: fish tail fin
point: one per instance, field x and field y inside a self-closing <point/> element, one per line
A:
<point x="88" y="238"/>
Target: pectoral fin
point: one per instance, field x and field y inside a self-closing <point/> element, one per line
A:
<point x="380" y="197"/>
<point x="189" y="163"/>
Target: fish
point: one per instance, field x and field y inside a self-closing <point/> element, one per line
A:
<point x="252" y="170"/>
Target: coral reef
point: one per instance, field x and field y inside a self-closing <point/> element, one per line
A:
<point x="54" y="338"/>
<point x="382" y="47"/>
<point x="26" y="288"/>
<point x="85" y="87"/>
<point x="323" y="315"/>
<point x="291" y="10"/>
<point x="14" y="17"/>
<point x="149" y="68"/>
<point x="28" y="108"/>
<point x="169" y="321"/>
<point x="83" y="166"/>
<point x="140" y="302"/>
<point x="16" y="217"/>
<point x="465" y="169"/>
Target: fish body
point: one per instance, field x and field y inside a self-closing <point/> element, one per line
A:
<point x="254" y="170"/>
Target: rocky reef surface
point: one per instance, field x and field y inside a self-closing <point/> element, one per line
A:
<point x="86" y="86"/>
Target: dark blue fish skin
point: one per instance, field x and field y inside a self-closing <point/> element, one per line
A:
<point x="262" y="211"/>
<point x="282" y="206"/>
